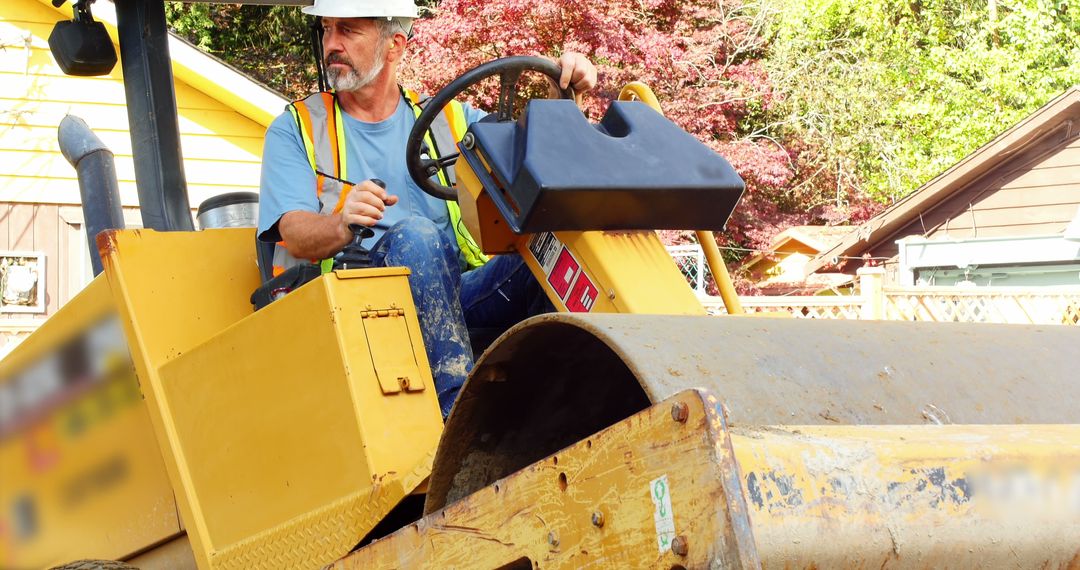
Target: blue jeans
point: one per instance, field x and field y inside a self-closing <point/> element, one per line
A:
<point x="448" y="303"/>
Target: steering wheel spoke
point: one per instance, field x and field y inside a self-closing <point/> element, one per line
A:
<point x="432" y="166"/>
<point x="447" y="160"/>
<point x="509" y="69"/>
<point x="508" y="81"/>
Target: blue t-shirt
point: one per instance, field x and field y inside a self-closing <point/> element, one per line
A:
<point x="374" y="150"/>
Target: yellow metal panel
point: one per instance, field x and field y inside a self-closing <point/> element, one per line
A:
<point x="623" y="272"/>
<point x="925" y="496"/>
<point x="406" y="426"/>
<point x="174" y="291"/>
<point x="673" y="486"/>
<point x="81" y="473"/>
<point x="274" y="423"/>
<point x="395" y="368"/>
<point x="259" y="413"/>
<point x="95" y="303"/>
<point x="91" y="476"/>
<point x="622" y="498"/>
<point x="605" y="272"/>
<point x="304" y="422"/>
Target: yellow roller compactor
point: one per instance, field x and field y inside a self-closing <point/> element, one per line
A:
<point x="158" y="421"/>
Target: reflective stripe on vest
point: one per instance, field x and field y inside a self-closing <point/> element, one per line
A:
<point x="447" y="129"/>
<point x="317" y="119"/>
<point x="323" y="134"/>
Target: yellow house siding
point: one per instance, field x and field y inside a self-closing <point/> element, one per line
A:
<point x="221" y="147"/>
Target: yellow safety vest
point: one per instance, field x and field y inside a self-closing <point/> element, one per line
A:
<point x="317" y="117"/>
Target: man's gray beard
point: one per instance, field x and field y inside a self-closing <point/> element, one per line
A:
<point x="350" y="80"/>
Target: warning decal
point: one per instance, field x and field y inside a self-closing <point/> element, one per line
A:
<point x="564" y="273"/>
<point x="582" y="295"/>
<point x="545" y="247"/>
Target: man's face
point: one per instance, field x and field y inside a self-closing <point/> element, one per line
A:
<point x="354" y="53"/>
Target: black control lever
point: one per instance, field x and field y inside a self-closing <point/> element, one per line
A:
<point x="355" y="255"/>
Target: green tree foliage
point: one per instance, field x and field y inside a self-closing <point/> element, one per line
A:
<point x="270" y="43"/>
<point x="891" y="94"/>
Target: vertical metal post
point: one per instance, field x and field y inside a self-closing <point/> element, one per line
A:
<point x="151" y="102"/>
<point x="720" y="272"/>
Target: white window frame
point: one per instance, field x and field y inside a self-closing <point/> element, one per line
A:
<point x="39" y="306"/>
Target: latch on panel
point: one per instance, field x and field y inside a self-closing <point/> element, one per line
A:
<point x="392" y="350"/>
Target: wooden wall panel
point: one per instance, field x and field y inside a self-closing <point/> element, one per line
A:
<point x="1068" y="156"/>
<point x="5" y="217"/>
<point x="47" y="240"/>
<point x="1021" y="216"/>
<point x="21" y="228"/>
<point x="1043" y="176"/>
<point x="1018" y="197"/>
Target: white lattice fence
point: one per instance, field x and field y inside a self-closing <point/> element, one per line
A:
<point x="803" y="307"/>
<point x="1019" y="306"/>
<point x="691" y="262"/>
<point x="1045" y="306"/>
<point x="1030" y="306"/>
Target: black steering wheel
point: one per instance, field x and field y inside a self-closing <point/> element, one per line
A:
<point x="509" y="70"/>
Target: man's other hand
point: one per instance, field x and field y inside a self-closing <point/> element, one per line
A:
<point x="364" y="205"/>
<point x="577" y="72"/>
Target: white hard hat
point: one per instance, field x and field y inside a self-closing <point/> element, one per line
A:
<point x="362" y="9"/>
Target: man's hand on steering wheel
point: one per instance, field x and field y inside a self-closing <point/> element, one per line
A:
<point x="573" y="69"/>
<point x="577" y="72"/>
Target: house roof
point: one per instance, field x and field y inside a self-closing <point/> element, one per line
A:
<point x="885" y="225"/>
<point x="204" y="72"/>
<point x="817" y="237"/>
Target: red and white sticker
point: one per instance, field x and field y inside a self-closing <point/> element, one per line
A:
<point x="582" y="295"/>
<point x="564" y="273"/>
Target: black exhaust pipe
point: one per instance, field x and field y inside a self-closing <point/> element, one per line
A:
<point x="100" y="192"/>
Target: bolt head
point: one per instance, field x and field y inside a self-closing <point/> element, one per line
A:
<point x="598" y="519"/>
<point x="680" y="411"/>
<point x="553" y="539"/>
<point x="680" y="545"/>
<point x="468" y="141"/>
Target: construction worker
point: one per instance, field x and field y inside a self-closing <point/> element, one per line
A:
<point x="320" y="161"/>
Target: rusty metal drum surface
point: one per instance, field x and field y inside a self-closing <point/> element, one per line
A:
<point x="554" y="379"/>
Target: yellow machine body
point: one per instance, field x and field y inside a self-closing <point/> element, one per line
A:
<point x="282" y="438"/>
<point x="584" y="272"/>
<point x="674" y="486"/>
<point x="313" y="417"/>
<point x="77" y="449"/>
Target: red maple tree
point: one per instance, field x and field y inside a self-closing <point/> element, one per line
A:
<point x="702" y="58"/>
